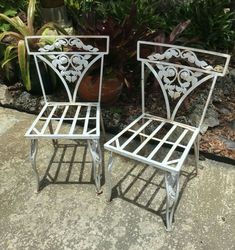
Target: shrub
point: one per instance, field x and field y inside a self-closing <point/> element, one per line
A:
<point x="10" y="8"/>
<point x="211" y="23"/>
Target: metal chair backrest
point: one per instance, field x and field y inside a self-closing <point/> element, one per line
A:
<point x="179" y="71"/>
<point x="70" y="57"/>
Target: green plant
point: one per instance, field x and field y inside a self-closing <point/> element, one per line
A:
<point x="211" y="26"/>
<point x="16" y="47"/>
<point x="10" y="8"/>
<point x="119" y="10"/>
<point x="124" y="35"/>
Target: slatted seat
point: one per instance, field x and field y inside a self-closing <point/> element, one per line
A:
<point x="175" y="138"/>
<point x="86" y="115"/>
<point x="71" y="58"/>
<point x="160" y="140"/>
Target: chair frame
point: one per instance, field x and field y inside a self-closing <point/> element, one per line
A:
<point x="70" y="67"/>
<point x="160" y="60"/>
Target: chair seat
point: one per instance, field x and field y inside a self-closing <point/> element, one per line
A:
<point x="155" y="141"/>
<point x="86" y="115"/>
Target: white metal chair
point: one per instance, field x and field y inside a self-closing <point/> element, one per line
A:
<point x="70" y="57"/>
<point x="178" y="71"/>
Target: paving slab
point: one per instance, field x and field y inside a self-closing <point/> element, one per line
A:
<point x="67" y="213"/>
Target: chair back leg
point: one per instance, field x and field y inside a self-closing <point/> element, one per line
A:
<point x="33" y="155"/>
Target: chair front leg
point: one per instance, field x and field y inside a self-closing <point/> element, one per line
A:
<point x="33" y="155"/>
<point x="54" y="141"/>
<point x="172" y="194"/>
<point x="109" y="176"/>
<point x="94" y="147"/>
<point x="102" y="126"/>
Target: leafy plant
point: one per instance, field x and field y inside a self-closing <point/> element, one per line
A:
<point x="12" y="4"/>
<point x="211" y="23"/>
<point x="10" y="8"/>
<point x="124" y="35"/>
<point x="16" y="47"/>
<point x="146" y="11"/>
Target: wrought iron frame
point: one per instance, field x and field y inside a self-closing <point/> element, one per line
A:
<point x="70" y="67"/>
<point x="187" y="77"/>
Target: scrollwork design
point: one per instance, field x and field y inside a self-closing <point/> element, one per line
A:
<point x="184" y="77"/>
<point x="70" y="67"/>
<point x="59" y="43"/>
<point x="190" y="56"/>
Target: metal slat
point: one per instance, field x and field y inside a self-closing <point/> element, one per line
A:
<point x="135" y="134"/>
<point x="86" y="120"/>
<point x="92" y="104"/>
<point x="36" y="120"/>
<point x="173" y="162"/>
<point x="36" y="131"/>
<point x="65" y="136"/>
<point x="182" y="125"/>
<point x="98" y="119"/>
<point x="61" y="119"/>
<point x="175" y="145"/>
<point x="124" y="130"/>
<point x="66" y="119"/>
<point x="158" y="140"/>
<point x="149" y="138"/>
<point x="189" y="145"/>
<point x="161" y="142"/>
<point x="91" y="131"/>
<point x="74" y="120"/>
<point x="117" y="143"/>
<point x="48" y="120"/>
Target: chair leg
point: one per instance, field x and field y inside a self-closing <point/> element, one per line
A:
<point x="172" y="194"/>
<point x="196" y="153"/>
<point x="109" y="177"/>
<point x="33" y="154"/>
<point x="94" y="147"/>
<point x="54" y="141"/>
<point x="102" y="125"/>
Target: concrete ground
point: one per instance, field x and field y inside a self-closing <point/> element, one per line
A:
<point x="67" y="214"/>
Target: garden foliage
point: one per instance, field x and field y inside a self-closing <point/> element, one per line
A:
<point x="207" y="24"/>
<point x="212" y="23"/>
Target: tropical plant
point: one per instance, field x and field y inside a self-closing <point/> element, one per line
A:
<point x="10" y="8"/>
<point x="124" y="35"/>
<point x="146" y="12"/>
<point x="51" y="3"/>
<point x="212" y="23"/>
<point x="118" y="10"/>
<point x="16" y="47"/>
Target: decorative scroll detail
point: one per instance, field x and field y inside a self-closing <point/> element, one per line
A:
<point x="70" y="67"/>
<point x="177" y="53"/>
<point x="185" y="78"/>
<point x="59" y="43"/>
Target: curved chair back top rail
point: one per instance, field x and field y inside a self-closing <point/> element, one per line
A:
<point x="70" y="57"/>
<point x="179" y="70"/>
